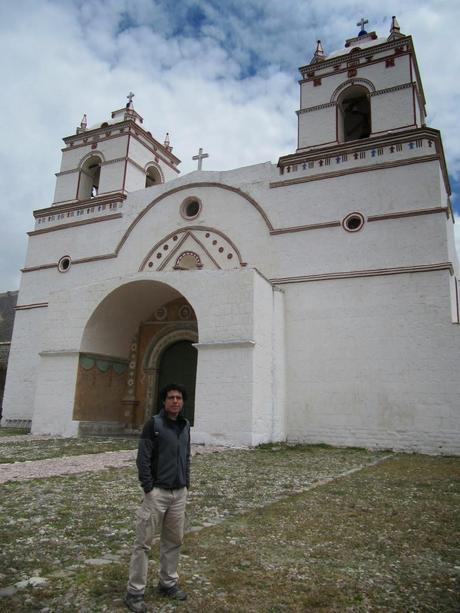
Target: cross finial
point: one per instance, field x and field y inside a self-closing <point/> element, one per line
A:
<point x="200" y="157"/>
<point x="361" y="23"/>
<point x="130" y="97"/>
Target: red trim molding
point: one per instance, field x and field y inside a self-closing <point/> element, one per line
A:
<point x="352" y="171"/>
<point x="73" y="224"/>
<point x="377" y="272"/>
<point x="71" y="205"/>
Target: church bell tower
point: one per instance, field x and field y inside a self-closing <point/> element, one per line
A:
<point x="111" y="159"/>
<point x="362" y="108"/>
<point x="370" y="87"/>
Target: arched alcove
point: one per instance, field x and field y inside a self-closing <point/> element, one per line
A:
<point x="116" y="381"/>
<point x="90" y="173"/>
<point x="353" y="114"/>
<point x="152" y="176"/>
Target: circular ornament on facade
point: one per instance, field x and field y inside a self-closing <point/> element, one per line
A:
<point x="185" y="312"/>
<point x="353" y="222"/>
<point x="150" y="264"/>
<point x="64" y="263"/>
<point x="161" y="313"/>
<point x="190" y="208"/>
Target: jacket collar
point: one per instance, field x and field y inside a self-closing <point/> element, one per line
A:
<point x="180" y="417"/>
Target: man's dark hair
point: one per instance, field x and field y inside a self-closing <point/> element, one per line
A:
<point x="170" y="387"/>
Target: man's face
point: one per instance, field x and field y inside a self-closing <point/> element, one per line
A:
<point x="173" y="403"/>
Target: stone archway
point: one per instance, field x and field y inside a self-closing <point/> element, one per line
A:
<point x="121" y="349"/>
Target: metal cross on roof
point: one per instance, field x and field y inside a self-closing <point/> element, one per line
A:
<point x="200" y="157"/>
<point x="362" y="23"/>
<point x="130" y="97"/>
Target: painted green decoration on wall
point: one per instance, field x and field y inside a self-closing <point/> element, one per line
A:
<point x="88" y="362"/>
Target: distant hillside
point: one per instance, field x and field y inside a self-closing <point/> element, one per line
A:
<point x="8" y="302"/>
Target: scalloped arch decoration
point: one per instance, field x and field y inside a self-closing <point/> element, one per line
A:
<point x="214" y="243"/>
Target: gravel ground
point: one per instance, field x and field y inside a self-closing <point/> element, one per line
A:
<point x="24" y="438"/>
<point x="91" y="462"/>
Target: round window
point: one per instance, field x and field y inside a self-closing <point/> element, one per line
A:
<point x="190" y="208"/>
<point x="64" y="263"/>
<point x="353" y="222"/>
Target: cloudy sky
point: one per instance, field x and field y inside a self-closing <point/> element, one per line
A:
<point x="221" y="74"/>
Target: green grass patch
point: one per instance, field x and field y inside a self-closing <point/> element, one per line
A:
<point x="13" y="431"/>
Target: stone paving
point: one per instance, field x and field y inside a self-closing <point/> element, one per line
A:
<point x="68" y="465"/>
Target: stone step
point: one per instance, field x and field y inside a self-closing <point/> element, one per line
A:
<point x="107" y="428"/>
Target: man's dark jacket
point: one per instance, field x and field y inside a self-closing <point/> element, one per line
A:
<point x="163" y="457"/>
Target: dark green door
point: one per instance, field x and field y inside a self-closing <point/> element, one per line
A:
<point x="178" y="365"/>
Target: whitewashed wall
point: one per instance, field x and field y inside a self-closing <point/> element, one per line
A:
<point x="371" y="363"/>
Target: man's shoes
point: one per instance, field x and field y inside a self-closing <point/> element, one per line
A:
<point x="135" y="603"/>
<point x="172" y="592"/>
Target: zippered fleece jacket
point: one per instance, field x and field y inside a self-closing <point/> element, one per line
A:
<point x="163" y="456"/>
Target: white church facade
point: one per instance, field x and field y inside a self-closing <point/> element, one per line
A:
<point x="315" y="300"/>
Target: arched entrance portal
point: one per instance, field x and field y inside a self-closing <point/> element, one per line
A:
<point x="139" y="338"/>
<point x="178" y="364"/>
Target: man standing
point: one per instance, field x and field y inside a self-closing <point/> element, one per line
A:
<point x="163" y="462"/>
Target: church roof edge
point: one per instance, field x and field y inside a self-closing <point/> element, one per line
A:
<point x="363" y="49"/>
<point x="125" y="123"/>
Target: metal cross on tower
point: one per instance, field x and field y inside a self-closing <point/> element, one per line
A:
<point x="130" y="97"/>
<point x="200" y="157"/>
<point x="362" y="23"/>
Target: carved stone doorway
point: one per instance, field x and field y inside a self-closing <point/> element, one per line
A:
<point x="178" y="365"/>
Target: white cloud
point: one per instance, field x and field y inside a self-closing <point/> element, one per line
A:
<point x="185" y="62"/>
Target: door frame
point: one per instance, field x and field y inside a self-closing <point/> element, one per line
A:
<point x="169" y="335"/>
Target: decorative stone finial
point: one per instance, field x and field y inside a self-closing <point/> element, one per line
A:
<point x="319" y="53"/>
<point x="394" y="25"/>
<point x="83" y="124"/>
<point x="395" y="30"/>
<point x="166" y="144"/>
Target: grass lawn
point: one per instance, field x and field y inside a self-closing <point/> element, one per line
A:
<point x="13" y="431"/>
<point x="381" y="538"/>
